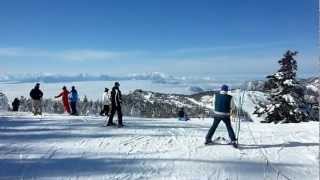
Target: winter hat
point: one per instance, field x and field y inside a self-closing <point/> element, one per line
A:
<point x="117" y="84"/>
<point x="224" y="88"/>
<point x="64" y="87"/>
<point x="106" y="89"/>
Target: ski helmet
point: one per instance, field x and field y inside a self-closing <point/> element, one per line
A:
<point x="224" y="88"/>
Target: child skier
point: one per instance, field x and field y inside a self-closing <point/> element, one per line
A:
<point x="223" y="106"/>
<point x="106" y="103"/>
<point x="65" y="94"/>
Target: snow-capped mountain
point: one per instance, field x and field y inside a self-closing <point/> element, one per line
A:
<point x="53" y="78"/>
<point x="151" y="104"/>
<point x="142" y="103"/>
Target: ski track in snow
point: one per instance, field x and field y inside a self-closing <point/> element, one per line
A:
<point x="66" y="147"/>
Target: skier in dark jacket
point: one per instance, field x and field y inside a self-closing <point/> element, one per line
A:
<point x="65" y="99"/>
<point x="223" y="106"/>
<point x="73" y="97"/>
<point x="15" y="104"/>
<point x="115" y="105"/>
<point x="36" y="96"/>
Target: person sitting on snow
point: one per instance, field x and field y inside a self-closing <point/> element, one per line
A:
<point x="222" y="107"/>
<point x="182" y="116"/>
<point x="65" y="99"/>
<point x="15" y="104"/>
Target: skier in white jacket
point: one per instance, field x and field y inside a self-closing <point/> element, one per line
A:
<point x="106" y="103"/>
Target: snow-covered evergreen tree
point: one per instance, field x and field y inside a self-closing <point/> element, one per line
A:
<point x="3" y="102"/>
<point x="287" y="103"/>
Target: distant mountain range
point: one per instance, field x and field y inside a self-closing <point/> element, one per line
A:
<point x="54" y="78"/>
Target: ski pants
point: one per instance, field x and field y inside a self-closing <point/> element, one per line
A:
<point x="66" y="106"/>
<point x="73" y="105"/>
<point x="36" y="107"/>
<point x="105" y="110"/>
<point x="227" y="122"/>
<point x="113" y="111"/>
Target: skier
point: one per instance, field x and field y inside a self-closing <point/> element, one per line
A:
<point x="73" y="100"/>
<point x="15" y="104"/>
<point x="36" y="95"/>
<point x="223" y="106"/>
<point x="65" y="94"/>
<point x="182" y="116"/>
<point x="106" y="103"/>
<point x="115" y="105"/>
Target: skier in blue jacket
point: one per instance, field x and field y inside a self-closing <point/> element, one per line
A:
<point x="73" y="97"/>
<point x="222" y="108"/>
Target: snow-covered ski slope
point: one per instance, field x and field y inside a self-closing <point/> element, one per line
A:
<point x="66" y="147"/>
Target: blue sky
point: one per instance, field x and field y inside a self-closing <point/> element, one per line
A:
<point x="181" y="37"/>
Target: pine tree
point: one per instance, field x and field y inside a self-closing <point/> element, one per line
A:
<point x="286" y="95"/>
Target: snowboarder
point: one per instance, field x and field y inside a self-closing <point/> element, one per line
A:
<point x="73" y="100"/>
<point x="36" y="95"/>
<point x="182" y="116"/>
<point x="223" y="105"/>
<point x="106" y="103"/>
<point x="65" y="94"/>
<point x="115" y="105"/>
<point x="15" y="104"/>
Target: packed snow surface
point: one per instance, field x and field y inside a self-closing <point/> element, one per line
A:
<point x="68" y="147"/>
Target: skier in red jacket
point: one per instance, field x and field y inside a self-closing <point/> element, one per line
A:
<point x="65" y="99"/>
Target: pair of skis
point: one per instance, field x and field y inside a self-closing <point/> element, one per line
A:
<point x="222" y="141"/>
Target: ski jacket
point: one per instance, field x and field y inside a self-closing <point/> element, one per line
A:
<point x="222" y="104"/>
<point x="116" y="97"/>
<point x="36" y="94"/>
<point x="64" y="95"/>
<point x="73" y="96"/>
<point x="106" y="98"/>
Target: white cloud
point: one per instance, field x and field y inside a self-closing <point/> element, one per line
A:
<point x="93" y="54"/>
<point x="20" y="52"/>
<point x="74" y="55"/>
<point x="82" y="55"/>
<point x="230" y="47"/>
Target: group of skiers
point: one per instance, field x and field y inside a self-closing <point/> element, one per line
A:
<point x="111" y="102"/>
<point x="223" y="107"/>
<point x="69" y="100"/>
